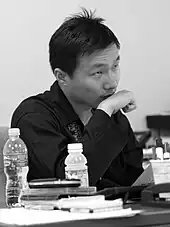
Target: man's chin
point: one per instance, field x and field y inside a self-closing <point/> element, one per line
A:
<point x="95" y="105"/>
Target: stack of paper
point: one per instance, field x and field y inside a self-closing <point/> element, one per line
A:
<point x="89" y="204"/>
<point x="50" y="193"/>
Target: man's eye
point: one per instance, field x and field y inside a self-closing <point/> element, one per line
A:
<point x="115" y="67"/>
<point x="97" y="73"/>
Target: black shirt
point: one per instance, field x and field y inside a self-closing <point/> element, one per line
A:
<point x="48" y="123"/>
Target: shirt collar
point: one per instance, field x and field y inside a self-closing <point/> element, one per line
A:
<point x="60" y="102"/>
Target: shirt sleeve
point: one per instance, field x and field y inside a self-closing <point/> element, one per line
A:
<point x="104" y="139"/>
<point x="133" y="157"/>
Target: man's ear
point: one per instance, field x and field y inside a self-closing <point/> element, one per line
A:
<point x="61" y="76"/>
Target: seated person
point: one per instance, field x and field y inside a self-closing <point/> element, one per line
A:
<point x="83" y="106"/>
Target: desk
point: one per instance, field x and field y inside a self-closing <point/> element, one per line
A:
<point x="150" y="217"/>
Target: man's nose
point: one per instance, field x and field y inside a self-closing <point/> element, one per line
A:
<point x="111" y="83"/>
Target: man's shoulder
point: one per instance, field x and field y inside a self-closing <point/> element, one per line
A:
<point x="33" y="105"/>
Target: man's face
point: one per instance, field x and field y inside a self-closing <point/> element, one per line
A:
<point x="95" y="78"/>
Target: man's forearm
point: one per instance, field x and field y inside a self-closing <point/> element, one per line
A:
<point x="103" y="141"/>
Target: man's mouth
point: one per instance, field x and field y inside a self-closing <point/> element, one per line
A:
<point x="108" y="95"/>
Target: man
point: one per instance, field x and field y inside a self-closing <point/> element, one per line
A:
<point x="82" y="106"/>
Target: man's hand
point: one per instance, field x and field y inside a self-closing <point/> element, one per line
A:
<point x="121" y="100"/>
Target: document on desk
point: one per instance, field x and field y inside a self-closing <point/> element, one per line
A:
<point x="146" y="177"/>
<point x="22" y="216"/>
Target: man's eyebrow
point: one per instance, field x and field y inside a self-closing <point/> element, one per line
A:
<point x="98" y="65"/>
<point x="118" y="58"/>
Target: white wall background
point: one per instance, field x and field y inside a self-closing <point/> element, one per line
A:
<point x="142" y="27"/>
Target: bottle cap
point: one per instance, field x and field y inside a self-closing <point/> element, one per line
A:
<point x="75" y="146"/>
<point x="13" y="131"/>
<point x="159" y="142"/>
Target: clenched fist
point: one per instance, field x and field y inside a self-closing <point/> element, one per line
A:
<point x="123" y="99"/>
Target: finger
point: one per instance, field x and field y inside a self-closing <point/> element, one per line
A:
<point x="129" y="108"/>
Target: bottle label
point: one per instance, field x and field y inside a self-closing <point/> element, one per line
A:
<point x="19" y="160"/>
<point x="81" y="174"/>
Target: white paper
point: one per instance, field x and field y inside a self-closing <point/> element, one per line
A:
<point x="146" y="177"/>
<point x="22" y="216"/>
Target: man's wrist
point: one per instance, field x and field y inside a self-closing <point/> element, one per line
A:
<point x="106" y="110"/>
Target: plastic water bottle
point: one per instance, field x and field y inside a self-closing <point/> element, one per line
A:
<point x="15" y="167"/>
<point x="75" y="162"/>
<point x="159" y="149"/>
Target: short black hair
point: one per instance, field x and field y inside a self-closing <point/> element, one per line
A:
<point x="79" y="34"/>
